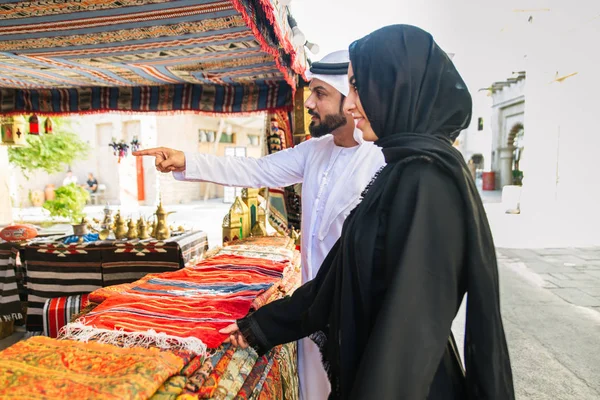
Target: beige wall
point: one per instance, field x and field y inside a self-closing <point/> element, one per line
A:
<point x="182" y="132"/>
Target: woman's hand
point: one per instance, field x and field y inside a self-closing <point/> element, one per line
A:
<point x="235" y="336"/>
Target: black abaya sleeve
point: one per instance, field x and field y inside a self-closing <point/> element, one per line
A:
<point x="291" y="318"/>
<point x="423" y="255"/>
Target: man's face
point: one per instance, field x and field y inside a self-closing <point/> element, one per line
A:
<point x="325" y="107"/>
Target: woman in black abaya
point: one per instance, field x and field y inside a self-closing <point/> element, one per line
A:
<point x="382" y="304"/>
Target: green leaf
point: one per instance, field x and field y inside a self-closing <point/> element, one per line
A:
<point x="69" y="202"/>
<point x="49" y="153"/>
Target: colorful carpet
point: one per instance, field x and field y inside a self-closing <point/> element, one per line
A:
<point x="46" y="368"/>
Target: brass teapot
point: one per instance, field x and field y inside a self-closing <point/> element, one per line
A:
<point x="120" y="227"/>
<point x="162" y="231"/>
<point x="132" y="232"/>
<point x="142" y="229"/>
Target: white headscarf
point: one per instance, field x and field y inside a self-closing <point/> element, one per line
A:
<point x="339" y="82"/>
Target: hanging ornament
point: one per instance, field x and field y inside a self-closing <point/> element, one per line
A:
<point x="114" y="145"/>
<point x="120" y="149"/>
<point x="34" y="125"/>
<point x="48" y="126"/>
<point x="135" y="144"/>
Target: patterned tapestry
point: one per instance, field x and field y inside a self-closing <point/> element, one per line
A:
<point x="213" y="56"/>
<point x="285" y="204"/>
<point x="46" y="368"/>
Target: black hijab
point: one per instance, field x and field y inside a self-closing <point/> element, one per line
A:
<point x="408" y="84"/>
<point x="417" y="104"/>
<point x="387" y="293"/>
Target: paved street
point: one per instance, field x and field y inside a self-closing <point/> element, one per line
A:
<point x="553" y="337"/>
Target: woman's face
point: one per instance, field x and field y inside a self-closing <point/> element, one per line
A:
<point x="353" y="107"/>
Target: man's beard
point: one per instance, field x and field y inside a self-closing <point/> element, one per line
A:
<point x="328" y="124"/>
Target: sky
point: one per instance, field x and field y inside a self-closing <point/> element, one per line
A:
<point x="491" y="39"/>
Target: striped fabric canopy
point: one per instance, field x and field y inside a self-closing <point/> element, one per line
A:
<point x="213" y="56"/>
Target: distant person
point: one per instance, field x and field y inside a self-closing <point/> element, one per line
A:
<point x="70" y="178"/>
<point x="92" y="184"/>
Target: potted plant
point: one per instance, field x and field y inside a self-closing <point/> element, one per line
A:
<point x="69" y="203"/>
<point x="517" y="176"/>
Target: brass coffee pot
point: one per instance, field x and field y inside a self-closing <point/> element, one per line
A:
<point x="162" y="230"/>
<point x="142" y="229"/>
<point x="120" y="227"/>
<point x="132" y="232"/>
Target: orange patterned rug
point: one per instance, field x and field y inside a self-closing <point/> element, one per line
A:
<point x="41" y="367"/>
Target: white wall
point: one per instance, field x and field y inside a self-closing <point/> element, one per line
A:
<point x="562" y="132"/>
<point x="181" y="132"/>
<point x="473" y="141"/>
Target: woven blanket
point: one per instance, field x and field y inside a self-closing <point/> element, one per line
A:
<point x="59" y="311"/>
<point x="10" y="305"/>
<point x="57" y="270"/>
<point x="273" y="253"/>
<point x="180" y="309"/>
<point x="46" y="368"/>
<point x="275" y="241"/>
<point x="254" y="266"/>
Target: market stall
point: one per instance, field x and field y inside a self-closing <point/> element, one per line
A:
<point x="217" y="58"/>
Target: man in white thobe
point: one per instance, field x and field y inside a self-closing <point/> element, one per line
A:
<point x="334" y="166"/>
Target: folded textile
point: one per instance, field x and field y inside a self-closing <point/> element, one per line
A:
<point x="42" y="367"/>
<point x="234" y="376"/>
<point x="171" y="389"/>
<point x="270" y="388"/>
<point x="272" y="253"/>
<point x="210" y="385"/>
<point x="258" y="265"/>
<point x="10" y="305"/>
<point x="254" y="377"/>
<point x="275" y="241"/>
<point x="88" y="237"/>
<point x="168" y="322"/>
<point x="58" y="312"/>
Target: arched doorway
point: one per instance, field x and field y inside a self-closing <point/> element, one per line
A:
<point x="515" y="141"/>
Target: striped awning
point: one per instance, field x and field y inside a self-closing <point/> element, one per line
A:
<point x="227" y="56"/>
